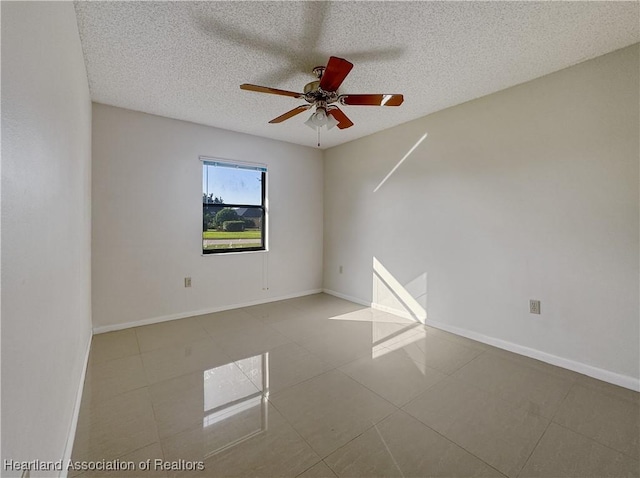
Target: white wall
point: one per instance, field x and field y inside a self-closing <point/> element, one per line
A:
<point x="529" y="193"/>
<point x="147" y="220"/>
<point x="46" y="214"/>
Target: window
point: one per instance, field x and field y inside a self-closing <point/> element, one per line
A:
<point x="233" y="206"/>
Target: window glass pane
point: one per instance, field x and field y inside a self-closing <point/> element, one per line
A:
<point x="233" y="214"/>
<point x="232" y="185"/>
<point x="232" y="228"/>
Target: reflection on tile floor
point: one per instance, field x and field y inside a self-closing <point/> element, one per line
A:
<point x="320" y="387"/>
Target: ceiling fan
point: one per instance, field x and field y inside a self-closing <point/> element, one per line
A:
<point x="323" y="94"/>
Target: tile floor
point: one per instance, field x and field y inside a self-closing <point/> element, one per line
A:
<point x="321" y="387"/>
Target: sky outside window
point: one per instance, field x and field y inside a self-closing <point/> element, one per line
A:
<point x="235" y="186"/>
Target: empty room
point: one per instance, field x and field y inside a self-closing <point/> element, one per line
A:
<point x="320" y="239"/>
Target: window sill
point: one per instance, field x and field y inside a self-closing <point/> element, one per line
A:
<point x="233" y="253"/>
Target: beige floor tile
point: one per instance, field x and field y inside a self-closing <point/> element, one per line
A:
<point x="169" y="334"/>
<point x="402" y="446"/>
<point x="393" y="376"/>
<point x="249" y="441"/>
<point x="109" y="429"/>
<point x="377" y="330"/>
<point x="536" y="364"/>
<point x="249" y="342"/>
<point x="521" y="382"/>
<point x="177" y="388"/>
<point x="382" y="316"/>
<point x="163" y="364"/>
<point x="474" y="344"/>
<point x="105" y="380"/>
<point x="434" y="351"/>
<point x="608" y="414"/>
<point x="113" y="345"/>
<point x="605" y="387"/>
<point x="308" y="324"/>
<point x="331" y="409"/>
<point x="273" y="312"/>
<point x="283" y="367"/>
<point x="563" y="453"/>
<point x="222" y="428"/>
<point x="374" y="315"/>
<point x="227" y="321"/>
<point x="134" y="465"/>
<point x="342" y="346"/>
<point x="324" y="305"/>
<point x="360" y="315"/>
<point x="322" y="300"/>
<point x="305" y="327"/>
<point x="495" y="431"/>
<point x="256" y="392"/>
<point x="390" y="334"/>
<point x="394" y="336"/>
<point x="178" y="403"/>
<point x="185" y="402"/>
<point x="319" y="470"/>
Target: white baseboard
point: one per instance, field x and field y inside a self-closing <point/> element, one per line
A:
<point x="625" y="381"/>
<point x="347" y="297"/>
<point x="400" y="313"/>
<point x="582" y="368"/>
<point x="182" y="315"/>
<point x="68" y="449"/>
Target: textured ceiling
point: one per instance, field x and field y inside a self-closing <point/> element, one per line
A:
<point x="186" y="60"/>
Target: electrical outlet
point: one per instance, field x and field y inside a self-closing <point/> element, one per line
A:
<point x="340" y="269"/>
<point x="534" y="306"/>
<point x="187" y="281"/>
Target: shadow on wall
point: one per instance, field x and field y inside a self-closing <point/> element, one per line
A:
<point x="390" y="295"/>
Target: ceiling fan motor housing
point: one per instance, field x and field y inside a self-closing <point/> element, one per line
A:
<point x="314" y="94"/>
<point x="311" y="87"/>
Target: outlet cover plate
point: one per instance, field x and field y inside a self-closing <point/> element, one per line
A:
<point x="534" y="306"/>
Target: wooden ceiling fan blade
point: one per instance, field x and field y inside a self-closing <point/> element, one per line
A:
<point x="341" y="118"/>
<point x="273" y="91"/>
<point x="371" y="100"/>
<point x="290" y="114"/>
<point x="334" y="74"/>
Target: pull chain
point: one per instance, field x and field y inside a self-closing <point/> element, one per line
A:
<point x="318" y="137"/>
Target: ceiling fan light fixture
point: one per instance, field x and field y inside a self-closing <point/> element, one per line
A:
<point x="310" y="122"/>
<point x="331" y="121"/>
<point x="320" y="118"/>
